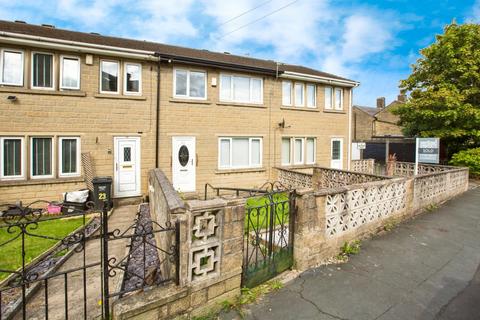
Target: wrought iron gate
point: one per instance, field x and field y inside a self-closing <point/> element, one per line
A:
<point x="268" y="236"/>
<point x="26" y="292"/>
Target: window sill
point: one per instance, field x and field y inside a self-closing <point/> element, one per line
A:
<point x="118" y="96"/>
<point x="189" y="101"/>
<point x="300" y="109"/>
<point x="31" y="182"/>
<point x="246" y="170"/>
<point x="73" y="93"/>
<point x="238" y="104"/>
<point x="334" y="111"/>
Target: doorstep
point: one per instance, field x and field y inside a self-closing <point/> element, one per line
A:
<point x="117" y="202"/>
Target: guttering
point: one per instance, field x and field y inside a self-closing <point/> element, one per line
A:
<point x="216" y="64"/>
<point x="319" y="79"/>
<point x="51" y="43"/>
<point x="157" y="120"/>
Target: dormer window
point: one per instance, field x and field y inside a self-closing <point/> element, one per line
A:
<point x="42" y="71"/>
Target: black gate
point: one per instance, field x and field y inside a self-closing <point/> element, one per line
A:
<point x="66" y="280"/>
<point x="268" y="236"/>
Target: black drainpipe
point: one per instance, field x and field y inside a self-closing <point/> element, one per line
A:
<point x="157" y="120"/>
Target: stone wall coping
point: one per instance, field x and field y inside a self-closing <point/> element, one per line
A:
<point x="200" y="205"/>
<point x="454" y="169"/>
<point x="353" y="172"/>
<point x="174" y="202"/>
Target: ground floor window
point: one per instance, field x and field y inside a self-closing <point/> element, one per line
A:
<point x="69" y="156"/>
<point x="239" y="152"/>
<point x="11" y="158"/>
<point x="41" y="157"/>
<point x="298" y="150"/>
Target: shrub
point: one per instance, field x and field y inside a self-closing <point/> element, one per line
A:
<point x="468" y="158"/>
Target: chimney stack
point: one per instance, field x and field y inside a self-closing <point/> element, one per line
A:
<point x="402" y="97"/>
<point x="381" y="103"/>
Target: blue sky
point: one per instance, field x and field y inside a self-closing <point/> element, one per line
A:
<point x="374" y="42"/>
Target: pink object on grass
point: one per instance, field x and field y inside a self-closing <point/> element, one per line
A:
<point x="54" y="208"/>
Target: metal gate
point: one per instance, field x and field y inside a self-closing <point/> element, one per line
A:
<point x="268" y="236"/>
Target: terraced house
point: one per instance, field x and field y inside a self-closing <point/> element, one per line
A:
<point x="201" y="116"/>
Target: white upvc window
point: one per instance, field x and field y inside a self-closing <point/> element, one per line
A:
<point x="109" y="76"/>
<point x="12" y="163"/>
<point x="338" y="99"/>
<point x="311" y="96"/>
<point x="69" y="73"/>
<point x="190" y="84"/>
<point x="299" y="94"/>
<point x="132" y="78"/>
<point x="298" y="150"/>
<point x="68" y="156"/>
<point x="287" y="93"/>
<point x="43" y="70"/>
<point x="241" y="89"/>
<point x="311" y="148"/>
<point x="11" y="67"/>
<point x="328" y="98"/>
<point x="41" y="157"/>
<point x="239" y="152"/>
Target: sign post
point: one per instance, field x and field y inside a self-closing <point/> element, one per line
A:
<point x="427" y="151"/>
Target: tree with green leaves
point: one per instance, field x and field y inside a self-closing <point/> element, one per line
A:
<point x="444" y="90"/>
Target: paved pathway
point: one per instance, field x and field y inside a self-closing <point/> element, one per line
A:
<point x="121" y="218"/>
<point x="427" y="268"/>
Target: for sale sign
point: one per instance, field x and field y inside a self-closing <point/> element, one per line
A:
<point x="428" y="150"/>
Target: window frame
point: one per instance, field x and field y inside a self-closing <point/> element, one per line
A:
<point x="250" y="165"/>
<point x="60" y="154"/>
<point x="22" y="160"/>
<point x="62" y="58"/>
<point x="125" y="91"/>
<point x="53" y="70"/>
<point x="291" y="93"/>
<point x="118" y="76"/>
<point x="295" y="94"/>
<point x="331" y="106"/>
<point x="314" y="105"/>
<point x="2" y="61"/>
<point x="232" y="78"/>
<point x="341" y="149"/>
<point x="52" y="157"/>
<point x="302" y="152"/>
<point x="187" y="94"/>
<point x="314" y="150"/>
<point x="290" y="160"/>
<point x="341" y="99"/>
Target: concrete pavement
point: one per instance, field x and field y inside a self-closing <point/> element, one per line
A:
<point x="426" y="268"/>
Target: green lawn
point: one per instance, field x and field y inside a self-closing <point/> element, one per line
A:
<point x="261" y="208"/>
<point x="10" y="254"/>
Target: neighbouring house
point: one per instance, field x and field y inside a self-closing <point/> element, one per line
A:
<point x="378" y="129"/>
<point x="200" y="116"/>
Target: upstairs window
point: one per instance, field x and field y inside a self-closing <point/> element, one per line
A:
<point x="286" y="93"/>
<point x="190" y="84"/>
<point x="241" y="89"/>
<point x="311" y="96"/>
<point x="70" y="73"/>
<point x="328" y="98"/>
<point x="41" y="158"/>
<point x="133" y="78"/>
<point x="109" y="71"/>
<point x="239" y="152"/>
<point x="11" y="64"/>
<point x="11" y="152"/>
<point x="42" y="70"/>
<point x="338" y="99"/>
<point x="299" y="92"/>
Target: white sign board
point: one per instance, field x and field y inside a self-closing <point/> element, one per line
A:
<point x="361" y="145"/>
<point x="428" y="150"/>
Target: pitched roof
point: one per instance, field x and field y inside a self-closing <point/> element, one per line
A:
<point x="162" y="49"/>
<point x="368" y="110"/>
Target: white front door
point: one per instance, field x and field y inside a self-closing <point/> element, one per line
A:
<point x="127" y="167"/>
<point x="336" y="153"/>
<point x="183" y="163"/>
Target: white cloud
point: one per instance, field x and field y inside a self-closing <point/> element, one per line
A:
<point x="475" y="12"/>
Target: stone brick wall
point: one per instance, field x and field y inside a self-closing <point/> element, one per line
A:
<point x="328" y="218"/>
<point x="362" y="125"/>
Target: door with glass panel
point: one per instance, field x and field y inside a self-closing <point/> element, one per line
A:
<point x="336" y="153"/>
<point x="127" y="167"/>
<point x="183" y="163"/>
